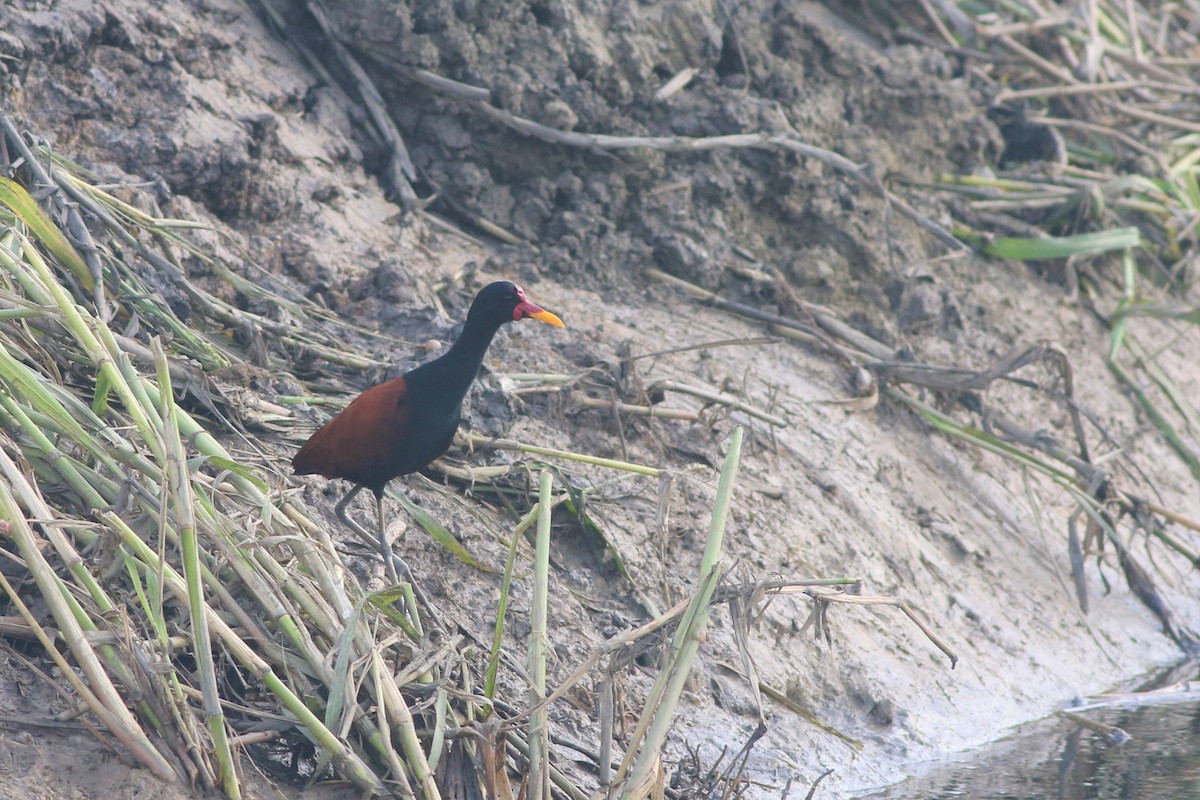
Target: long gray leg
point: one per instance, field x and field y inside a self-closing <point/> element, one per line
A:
<point x="398" y="568"/>
<point x="395" y="565"/>
<point x="385" y="547"/>
<point x="340" y="510"/>
<point x="379" y="540"/>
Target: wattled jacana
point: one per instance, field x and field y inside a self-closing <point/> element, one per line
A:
<point x="400" y="426"/>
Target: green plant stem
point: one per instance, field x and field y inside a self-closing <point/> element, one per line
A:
<point x="658" y="713"/>
<point x="476" y="439"/>
<point x="539" y="754"/>
<point x="179" y="486"/>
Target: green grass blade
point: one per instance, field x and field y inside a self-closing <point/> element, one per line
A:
<point x="1083" y="244"/>
<point x="441" y="534"/>
<point x="22" y="204"/>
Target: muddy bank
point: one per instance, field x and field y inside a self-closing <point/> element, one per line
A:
<point x="211" y="115"/>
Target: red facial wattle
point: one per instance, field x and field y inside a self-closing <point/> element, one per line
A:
<point x="525" y="309"/>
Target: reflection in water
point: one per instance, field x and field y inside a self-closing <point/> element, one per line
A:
<point x="1055" y="758"/>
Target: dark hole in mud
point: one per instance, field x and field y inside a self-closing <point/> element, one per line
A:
<point x="289" y="758"/>
<point x="544" y="14"/>
<point x="731" y="61"/>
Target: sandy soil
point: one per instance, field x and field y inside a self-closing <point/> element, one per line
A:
<point x="213" y="113"/>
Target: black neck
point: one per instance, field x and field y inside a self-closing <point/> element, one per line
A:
<point x="454" y="371"/>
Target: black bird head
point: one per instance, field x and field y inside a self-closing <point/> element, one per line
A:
<point x="503" y="301"/>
